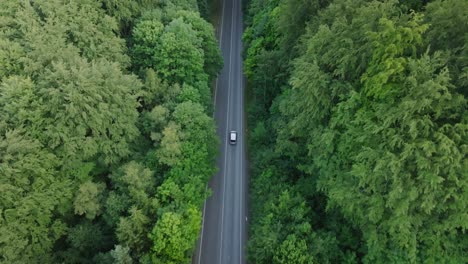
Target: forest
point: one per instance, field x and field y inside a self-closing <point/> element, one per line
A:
<point x="357" y="117"/>
<point x="358" y="130"/>
<point x="107" y="139"/>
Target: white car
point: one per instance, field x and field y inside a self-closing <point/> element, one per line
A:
<point x="232" y="137"/>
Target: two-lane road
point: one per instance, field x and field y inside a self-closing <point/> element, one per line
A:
<point x="223" y="236"/>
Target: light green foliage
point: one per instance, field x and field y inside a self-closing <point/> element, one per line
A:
<point x="176" y="5"/>
<point x="179" y="58"/>
<point x="172" y="50"/>
<point x="280" y="236"/>
<point x="146" y="35"/>
<point x="170" y="195"/>
<point x="17" y="103"/>
<point x="125" y="11"/>
<point x="76" y="100"/>
<point x="174" y="235"/>
<point x="130" y="208"/>
<point x="181" y="47"/>
<point x="198" y="130"/>
<point x="412" y="177"/>
<point x="155" y="91"/>
<point x="138" y="180"/>
<point x="196" y="125"/>
<point x="88" y="29"/>
<point x="390" y="130"/>
<point x="92" y="157"/>
<point x="133" y="183"/>
<point x="259" y="40"/>
<point x="121" y="9"/>
<point x="115" y="206"/>
<point x="64" y="88"/>
<point x="292" y="251"/>
<point x="189" y="93"/>
<point x="187" y="149"/>
<point x="87" y="200"/>
<point x="31" y="199"/>
<point x="371" y="130"/>
<point x="185" y="51"/>
<point x="59" y="23"/>
<point x="10" y="52"/>
<point x="78" y="121"/>
<point x="209" y="45"/>
<point x="132" y="230"/>
<point x="155" y="122"/>
<point x="109" y="118"/>
<point x="121" y="255"/>
<point x="390" y="45"/>
<point x="170" y="150"/>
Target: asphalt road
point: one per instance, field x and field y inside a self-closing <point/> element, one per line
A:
<point x="224" y="233"/>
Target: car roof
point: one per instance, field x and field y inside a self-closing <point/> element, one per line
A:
<point x="233" y="135"/>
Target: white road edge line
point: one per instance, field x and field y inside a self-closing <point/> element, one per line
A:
<point x="226" y="140"/>
<point x="241" y="80"/>
<point x="214" y="111"/>
<point x="241" y="174"/>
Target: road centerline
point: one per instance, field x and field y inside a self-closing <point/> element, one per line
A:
<point x="222" y="239"/>
<point x="241" y="159"/>
<point x="227" y="125"/>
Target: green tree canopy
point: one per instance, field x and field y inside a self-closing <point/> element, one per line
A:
<point x="366" y="121"/>
<point x="32" y="200"/>
<point x="100" y="144"/>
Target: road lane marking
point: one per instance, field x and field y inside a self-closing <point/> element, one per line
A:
<point x="242" y="151"/>
<point x="227" y="125"/>
<point x="214" y="112"/>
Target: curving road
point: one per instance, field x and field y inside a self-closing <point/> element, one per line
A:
<point x="223" y="235"/>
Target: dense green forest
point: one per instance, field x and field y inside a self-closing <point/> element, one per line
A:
<point x="358" y="131"/>
<point x="106" y="135"/>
